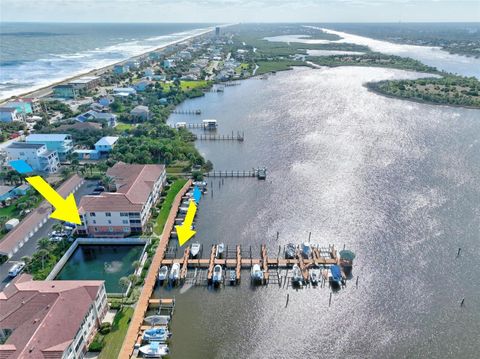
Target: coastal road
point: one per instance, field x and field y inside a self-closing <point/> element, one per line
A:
<point x="31" y="246"/>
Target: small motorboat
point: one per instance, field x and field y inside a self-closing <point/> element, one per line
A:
<point x="200" y="184"/>
<point x="174" y="272"/>
<point x="346" y="261"/>
<point x="335" y="276"/>
<point x="256" y="274"/>
<point x="220" y="250"/>
<point x="217" y="274"/>
<point x="160" y="334"/>
<point x="163" y="273"/>
<point x="154" y="350"/>
<point x="296" y="275"/>
<point x="158" y="319"/>
<point x="232" y="276"/>
<point x="183" y="209"/>
<point x="173" y="234"/>
<point x="306" y="249"/>
<point x="314" y="274"/>
<point x="195" y="249"/>
<point x="290" y="251"/>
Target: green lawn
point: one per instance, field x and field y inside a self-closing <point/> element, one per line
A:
<point x="186" y="85"/>
<point x="240" y="68"/>
<point x="122" y="126"/>
<point x="114" y="339"/>
<point x="167" y="205"/>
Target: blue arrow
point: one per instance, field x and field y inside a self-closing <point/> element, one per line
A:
<point x="197" y="194"/>
<point x="21" y="166"/>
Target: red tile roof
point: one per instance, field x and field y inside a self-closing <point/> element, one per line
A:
<point x="44" y="316"/>
<point x="134" y="184"/>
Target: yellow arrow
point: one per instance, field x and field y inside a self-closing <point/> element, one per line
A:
<point x="185" y="232"/>
<point x="65" y="209"/>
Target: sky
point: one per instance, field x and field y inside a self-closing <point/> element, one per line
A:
<point x="228" y="11"/>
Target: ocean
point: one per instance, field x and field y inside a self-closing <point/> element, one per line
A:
<point x="34" y="55"/>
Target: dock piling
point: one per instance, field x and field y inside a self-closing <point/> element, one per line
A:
<point x="330" y="299"/>
<point x="288" y="298"/>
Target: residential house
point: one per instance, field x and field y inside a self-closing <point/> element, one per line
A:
<point x="35" y="154"/>
<point x="126" y="211"/>
<point x="142" y="85"/>
<point x="82" y="155"/>
<point x="22" y="189"/>
<point x="61" y="143"/>
<point x="85" y="82"/>
<point x="50" y="319"/>
<point x="106" y="144"/>
<point x="124" y="91"/>
<point x="121" y="69"/>
<point x="6" y="192"/>
<point x="65" y="91"/>
<point x="109" y="118"/>
<point x="148" y="72"/>
<point x="105" y="101"/>
<point x="140" y="113"/>
<point x="9" y="114"/>
<point x="168" y="63"/>
<point x="159" y="77"/>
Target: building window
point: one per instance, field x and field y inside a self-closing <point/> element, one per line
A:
<point x="96" y="229"/>
<point x="92" y="214"/>
<point x="108" y="214"/>
<point x="94" y="222"/>
<point x="126" y="229"/>
<point x="109" y="222"/>
<point x="123" y="214"/>
<point x="110" y="229"/>
<point x="125" y="221"/>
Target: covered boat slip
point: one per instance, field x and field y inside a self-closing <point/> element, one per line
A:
<point x="319" y="257"/>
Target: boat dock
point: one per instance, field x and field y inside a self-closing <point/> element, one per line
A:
<point x="260" y="173"/>
<point x="187" y="112"/>
<point x="214" y="137"/>
<point x="320" y="257"/>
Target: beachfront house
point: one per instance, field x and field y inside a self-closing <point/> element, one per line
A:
<point x="121" y="69"/>
<point x="140" y="113"/>
<point x="6" y="192"/>
<point x="85" y="82"/>
<point x="126" y="211"/>
<point x="51" y="318"/>
<point x="23" y="107"/>
<point x="65" y="91"/>
<point x="37" y="155"/>
<point x="9" y="114"/>
<point x="61" y="143"/>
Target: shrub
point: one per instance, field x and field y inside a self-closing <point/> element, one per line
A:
<point x="97" y="344"/>
<point x="105" y="328"/>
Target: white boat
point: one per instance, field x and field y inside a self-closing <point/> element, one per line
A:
<point x="159" y="334"/>
<point x="158" y="319"/>
<point x="217" y="274"/>
<point x="154" y="350"/>
<point x="163" y="273"/>
<point x="195" y="249"/>
<point x="314" y="274"/>
<point x="296" y="275"/>
<point x="306" y="249"/>
<point x="256" y="273"/>
<point x="174" y="272"/>
<point x="183" y="209"/>
<point x="220" y="249"/>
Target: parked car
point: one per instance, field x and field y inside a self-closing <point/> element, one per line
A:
<point x="16" y="269"/>
<point x="99" y="189"/>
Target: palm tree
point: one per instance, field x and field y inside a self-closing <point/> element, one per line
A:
<point x="136" y="264"/>
<point x="43" y="254"/>
<point x="124" y="283"/>
<point x="44" y="244"/>
<point x="108" y="182"/>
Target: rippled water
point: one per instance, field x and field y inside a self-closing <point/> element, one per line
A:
<point x="395" y="181"/>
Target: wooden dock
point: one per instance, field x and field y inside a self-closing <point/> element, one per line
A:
<point x="187" y="112"/>
<point x="240" y="137"/>
<point x="134" y="329"/>
<point x="238" y="262"/>
<point x="259" y="173"/>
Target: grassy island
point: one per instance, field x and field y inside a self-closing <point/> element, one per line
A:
<point x="448" y="90"/>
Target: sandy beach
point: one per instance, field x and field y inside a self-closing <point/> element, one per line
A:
<point x="46" y="90"/>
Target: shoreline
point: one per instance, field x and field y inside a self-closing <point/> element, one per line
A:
<point x="369" y="87"/>
<point x="45" y="90"/>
